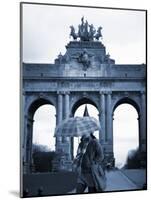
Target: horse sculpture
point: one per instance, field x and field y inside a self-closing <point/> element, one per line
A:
<point x="73" y="33"/>
<point x="91" y="32"/>
<point x="98" y="34"/>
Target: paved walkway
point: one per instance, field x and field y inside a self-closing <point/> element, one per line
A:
<point x="137" y="176"/>
<point x="62" y="182"/>
<point x="117" y="181"/>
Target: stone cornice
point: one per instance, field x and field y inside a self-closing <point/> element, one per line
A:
<point x="84" y="78"/>
<point x="85" y="93"/>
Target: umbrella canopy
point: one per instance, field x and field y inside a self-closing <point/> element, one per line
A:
<point x="77" y="126"/>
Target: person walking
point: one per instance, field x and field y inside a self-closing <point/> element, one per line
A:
<point x="90" y="173"/>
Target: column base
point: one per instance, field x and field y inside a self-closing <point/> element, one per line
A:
<point x="109" y="160"/>
<point x="63" y="161"/>
<point x="26" y="168"/>
<point x="62" y="164"/>
<point x="143" y="154"/>
<point x="143" y="159"/>
<point x="143" y="146"/>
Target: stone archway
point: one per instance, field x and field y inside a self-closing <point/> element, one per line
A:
<point x="71" y="80"/>
<point x="139" y="105"/>
<point x="28" y="131"/>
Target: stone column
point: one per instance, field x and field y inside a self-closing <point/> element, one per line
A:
<point x="66" y="116"/>
<point x="23" y="131"/>
<point x="66" y="111"/>
<point x="59" y="108"/>
<point x="24" y="146"/>
<point x="23" y="120"/>
<point x="59" y="118"/>
<point x="66" y="141"/>
<point x="109" y="118"/>
<point x="27" y="125"/>
<point x="28" y="159"/>
<point x="102" y="133"/>
<point x="109" y="124"/>
<point x="142" y="121"/>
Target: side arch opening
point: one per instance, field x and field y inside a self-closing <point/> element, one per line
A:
<point x="125" y="131"/>
<point x="40" y="144"/>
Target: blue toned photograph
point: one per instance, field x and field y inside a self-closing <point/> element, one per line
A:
<point x="83" y="100"/>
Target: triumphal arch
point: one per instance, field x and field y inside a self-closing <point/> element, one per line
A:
<point x="84" y="74"/>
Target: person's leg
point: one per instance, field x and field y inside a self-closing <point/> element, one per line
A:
<point x="80" y="188"/>
<point x="92" y="190"/>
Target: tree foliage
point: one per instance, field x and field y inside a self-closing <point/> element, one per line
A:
<point x="135" y="160"/>
<point x="42" y="158"/>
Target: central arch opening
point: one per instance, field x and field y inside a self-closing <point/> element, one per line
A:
<point x="126" y="133"/>
<point x="88" y="108"/>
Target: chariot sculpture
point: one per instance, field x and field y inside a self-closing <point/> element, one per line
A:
<point x="86" y="32"/>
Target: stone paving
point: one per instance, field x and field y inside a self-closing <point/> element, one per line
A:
<point x="43" y="184"/>
<point x="117" y="181"/>
<point x="137" y="176"/>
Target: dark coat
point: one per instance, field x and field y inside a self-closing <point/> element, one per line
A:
<point x="93" y="154"/>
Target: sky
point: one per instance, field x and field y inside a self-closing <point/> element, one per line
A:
<point x="46" y="33"/>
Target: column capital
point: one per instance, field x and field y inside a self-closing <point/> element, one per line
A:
<point x="65" y="139"/>
<point x="108" y="92"/>
<point x="63" y="92"/>
<point x="60" y="92"/>
<point x="126" y="94"/>
<point x="41" y="95"/>
<point x="59" y="139"/>
<point x="102" y="92"/>
<point x="66" y="92"/>
<point x="29" y="119"/>
<point x="105" y="92"/>
<point x="24" y="92"/>
<point x="142" y="92"/>
<point x="85" y="94"/>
